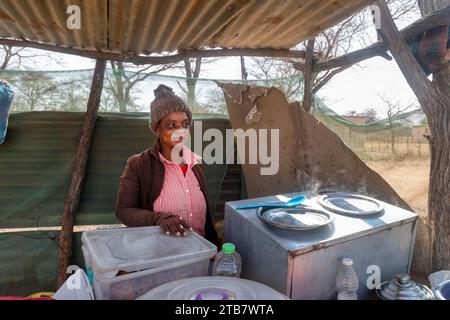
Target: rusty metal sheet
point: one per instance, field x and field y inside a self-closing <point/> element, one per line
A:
<point x="156" y="26"/>
<point x="45" y="21"/>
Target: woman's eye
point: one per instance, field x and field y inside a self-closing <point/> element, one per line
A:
<point x="171" y="125"/>
<point x="185" y="125"/>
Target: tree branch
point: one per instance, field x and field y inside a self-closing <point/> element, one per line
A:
<point x="308" y="76"/>
<point x="327" y="78"/>
<point x="430" y="21"/>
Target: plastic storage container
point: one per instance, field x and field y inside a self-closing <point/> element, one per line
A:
<point x="227" y="262"/>
<point x="213" y="288"/>
<point x="440" y="284"/>
<point x="347" y="281"/>
<point x="128" y="262"/>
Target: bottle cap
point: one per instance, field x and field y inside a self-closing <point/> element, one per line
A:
<point x="347" y="262"/>
<point x="228" y="248"/>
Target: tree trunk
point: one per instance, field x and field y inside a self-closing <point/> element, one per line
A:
<point x="118" y="77"/>
<point x="191" y="84"/>
<point x="244" y="73"/>
<point x="407" y="146"/>
<point x="392" y="139"/>
<point x="78" y="173"/>
<point x="439" y="189"/>
<point x="439" y="194"/>
<point x="308" y="76"/>
<point x="435" y="100"/>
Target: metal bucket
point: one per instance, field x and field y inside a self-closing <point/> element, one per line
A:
<point x="443" y="291"/>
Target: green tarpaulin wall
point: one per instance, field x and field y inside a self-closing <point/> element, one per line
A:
<point x="35" y="171"/>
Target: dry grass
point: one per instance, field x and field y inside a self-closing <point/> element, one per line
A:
<point x="409" y="177"/>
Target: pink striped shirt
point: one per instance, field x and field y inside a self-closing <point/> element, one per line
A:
<point x="181" y="195"/>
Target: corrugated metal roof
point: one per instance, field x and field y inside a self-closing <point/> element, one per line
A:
<point x="154" y="26"/>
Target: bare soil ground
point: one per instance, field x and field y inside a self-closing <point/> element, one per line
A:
<point x="409" y="177"/>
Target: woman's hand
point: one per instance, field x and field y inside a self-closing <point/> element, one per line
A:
<point x="174" y="225"/>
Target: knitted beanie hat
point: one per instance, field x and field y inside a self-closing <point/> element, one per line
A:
<point x="166" y="101"/>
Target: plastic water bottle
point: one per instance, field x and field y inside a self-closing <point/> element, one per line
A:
<point x="227" y="262"/>
<point x="347" y="281"/>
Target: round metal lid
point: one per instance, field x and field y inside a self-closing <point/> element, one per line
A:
<point x="403" y="288"/>
<point x="350" y="204"/>
<point x="295" y="218"/>
<point x="213" y="288"/>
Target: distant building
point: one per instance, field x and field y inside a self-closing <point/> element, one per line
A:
<point x="418" y="132"/>
<point x="357" y="119"/>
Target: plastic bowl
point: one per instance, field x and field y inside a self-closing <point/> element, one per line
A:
<point x="443" y="291"/>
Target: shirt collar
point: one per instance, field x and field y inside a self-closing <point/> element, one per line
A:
<point x="189" y="158"/>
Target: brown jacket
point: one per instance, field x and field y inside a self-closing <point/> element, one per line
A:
<point x="140" y="185"/>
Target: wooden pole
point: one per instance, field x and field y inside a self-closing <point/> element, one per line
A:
<point x="407" y="145"/>
<point x="158" y="60"/>
<point x="78" y="173"/>
<point x="244" y="73"/>
<point x="308" y="76"/>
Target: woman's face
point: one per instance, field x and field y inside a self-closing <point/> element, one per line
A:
<point x="173" y="129"/>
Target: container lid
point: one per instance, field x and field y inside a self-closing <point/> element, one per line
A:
<point x="135" y="249"/>
<point x="301" y="218"/>
<point x="403" y="288"/>
<point x="350" y="204"/>
<point x="347" y="262"/>
<point x="213" y="288"/>
<point x="228" y="248"/>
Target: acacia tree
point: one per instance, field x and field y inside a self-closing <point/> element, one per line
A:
<point x="39" y="92"/>
<point x="16" y="58"/>
<point x="192" y="69"/>
<point x="371" y="114"/>
<point x="215" y="102"/>
<point x="280" y="73"/>
<point x="393" y="109"/>
<point x="123" y="79"/>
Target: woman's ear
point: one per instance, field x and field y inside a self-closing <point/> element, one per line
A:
<point x="154" y="128"/>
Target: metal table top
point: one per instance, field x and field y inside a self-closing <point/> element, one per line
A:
<point x="343" y="228"/>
